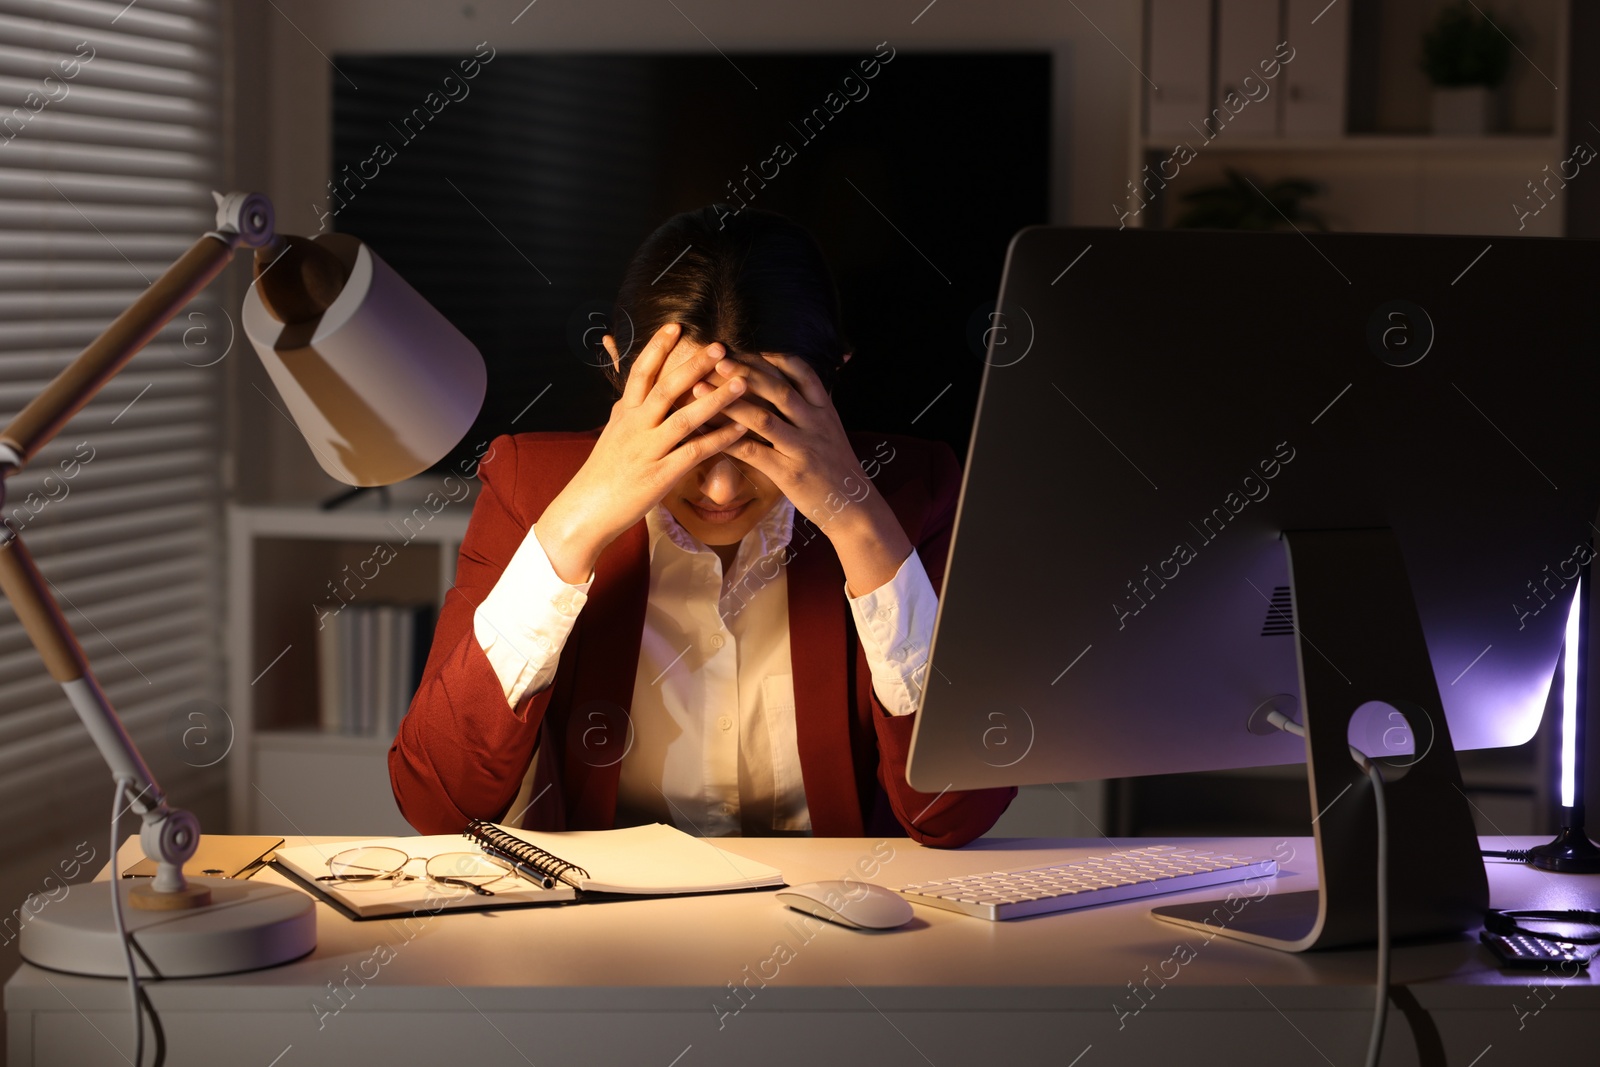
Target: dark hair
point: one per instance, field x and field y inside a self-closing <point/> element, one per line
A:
<point x="753" y="280"/>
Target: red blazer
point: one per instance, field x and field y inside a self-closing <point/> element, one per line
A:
<point x="462" y="754"/>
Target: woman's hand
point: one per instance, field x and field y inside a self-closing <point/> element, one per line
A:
<point x="807" y="455"/>
<point x="645" y="448"/>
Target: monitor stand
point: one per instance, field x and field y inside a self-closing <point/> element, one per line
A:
<point x="1358" y="639"/>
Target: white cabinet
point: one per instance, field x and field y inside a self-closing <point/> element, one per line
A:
<point x="1315" y="84"/>
<point x="1244" y="100"/>
<point x="1178" y="45"/>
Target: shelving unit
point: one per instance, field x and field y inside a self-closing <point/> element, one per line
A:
<point x="287" y="565"/>
<point x="1379" y="181"/>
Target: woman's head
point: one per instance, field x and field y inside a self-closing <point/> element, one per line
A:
<point x="753" y="280"/>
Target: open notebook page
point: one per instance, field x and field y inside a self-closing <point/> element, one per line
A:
<point x="651" y="859"/>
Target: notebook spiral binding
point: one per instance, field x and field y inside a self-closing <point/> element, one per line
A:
<point x="497" y="842"/>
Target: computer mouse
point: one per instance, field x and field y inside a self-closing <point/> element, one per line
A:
<point x="859" y="905"/>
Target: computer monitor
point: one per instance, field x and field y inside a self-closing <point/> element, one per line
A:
<point x="1349" y="477"/>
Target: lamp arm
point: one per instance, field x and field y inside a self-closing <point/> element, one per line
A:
<point x="242" y="218"/>
<point x="169" y="835"/>
<point x="63" y="657"/>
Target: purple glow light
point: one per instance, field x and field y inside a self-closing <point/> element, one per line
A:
<point x="1569" y="701"/>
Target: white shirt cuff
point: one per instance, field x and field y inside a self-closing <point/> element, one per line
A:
<point x="524" y="621"/>
<point x="895" y="624"/>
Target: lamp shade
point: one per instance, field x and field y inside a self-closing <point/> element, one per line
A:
<point x="380" y="384"/>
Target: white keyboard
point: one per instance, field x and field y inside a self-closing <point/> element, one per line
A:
<point x="1140" y="872"/>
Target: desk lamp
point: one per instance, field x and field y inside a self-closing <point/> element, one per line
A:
<point x="381" y="386"/>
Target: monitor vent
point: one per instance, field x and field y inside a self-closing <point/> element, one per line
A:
<point x="1280" y="614"/>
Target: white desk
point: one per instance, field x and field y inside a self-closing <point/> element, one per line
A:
<point x="644" y="982"/>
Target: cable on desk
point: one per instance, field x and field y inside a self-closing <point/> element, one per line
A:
<point x="1521" y="855"/>
<point x="122" y="932"/>
<point x="135" y="993"/>
<point x="1380" y="1012"/>
<point x="1507" y="922"/>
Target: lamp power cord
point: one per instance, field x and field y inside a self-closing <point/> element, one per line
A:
<point x="137" y="995"/>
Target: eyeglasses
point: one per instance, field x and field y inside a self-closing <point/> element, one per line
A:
<point x="378" y="867"/>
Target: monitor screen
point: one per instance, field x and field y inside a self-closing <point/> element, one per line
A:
<point x="513" y="198"/>
<point x="1161" y="408"/>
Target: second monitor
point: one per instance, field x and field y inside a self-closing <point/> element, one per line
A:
<point x="1346" y="477"/>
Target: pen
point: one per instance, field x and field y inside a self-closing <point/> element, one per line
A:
<point x="533" y="874"/>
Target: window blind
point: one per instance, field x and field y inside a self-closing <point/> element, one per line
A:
<point x="109" y="149"/>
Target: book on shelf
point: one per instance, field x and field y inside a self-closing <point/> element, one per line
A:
<point x="330" y="697"/>
<point x="361" y="672"/>
<point x="385" y="691"/>
<point x="542" y="868"/>
<point x="369" y="664"/>
<point x="345" y="668"/>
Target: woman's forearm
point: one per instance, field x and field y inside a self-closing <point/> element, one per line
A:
<point x="869" y="541"/>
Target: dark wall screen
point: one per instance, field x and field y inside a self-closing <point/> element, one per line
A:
<point x="511" y="191"/>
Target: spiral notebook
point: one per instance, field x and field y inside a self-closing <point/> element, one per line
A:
<point x="652" y="860"/>
<point x="648" y="860"/>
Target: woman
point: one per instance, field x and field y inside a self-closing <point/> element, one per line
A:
<point x="717" y="561"/>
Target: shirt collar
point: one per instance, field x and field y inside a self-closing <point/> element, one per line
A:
<point x="769" y="536"/>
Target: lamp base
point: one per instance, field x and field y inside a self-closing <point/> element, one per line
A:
<point x="247" y="927"/>
<point x="144" y="897"/>
<point x="1570" y="853"/>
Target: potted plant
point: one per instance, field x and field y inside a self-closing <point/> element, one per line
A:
<point x="1244" y="204"/>
<point x="1465" y="54"/>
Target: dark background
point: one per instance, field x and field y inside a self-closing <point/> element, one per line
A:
<point x="576" y="159"/>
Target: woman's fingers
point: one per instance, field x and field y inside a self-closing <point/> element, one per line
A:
<point x="757" y="416"/>
<point x="692" y="416"/>
<point x="688" y="363"/>
<point x="771" y="385"/>
<point x="642" y="375"/>
<point x="702" y="446"/>
<point x="800" y="372"/>
<point x="765" y="425"/>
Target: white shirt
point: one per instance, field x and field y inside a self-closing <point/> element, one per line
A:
<point x="713" y="746"/>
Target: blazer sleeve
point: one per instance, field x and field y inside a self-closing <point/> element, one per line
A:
<point x="461" y="752"/>
<point x="951" y="818"/>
